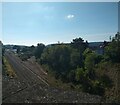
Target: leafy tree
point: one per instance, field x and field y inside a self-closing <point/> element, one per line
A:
<point x="97" y="58"/>
<point x="76" y="63"/>
<point x="90" y="61"/>
<point x="112" y="51"/>
<point x="26" y="52"/>
<point x="97" y="88"/>
<point x="80" y="75"/>
<point x="71" y="76"/>
<point x="87" y="51"/>
<point x="17" y="47"/>
<point x="90" y="64"/>
<point x="24" y="49"/>
<point x="83" y="80"/>
<point x="106" y="81"/>
<point x="58" y="58"/>
<point x="75" y="58"/>
<point x="79" y="44"/>
<point x="39" y="49"/>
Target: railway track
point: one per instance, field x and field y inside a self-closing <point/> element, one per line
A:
<point x="24" y="75"/>
<point x="23" y="71"/>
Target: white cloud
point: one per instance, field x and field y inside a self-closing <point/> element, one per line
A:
<point x="70" y="16"/>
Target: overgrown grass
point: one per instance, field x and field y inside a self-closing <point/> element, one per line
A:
<point x="8" y="68"/>
<point x="105" y="68"/>
<point x="58" y="83"/>
<point x="113" y="72"/>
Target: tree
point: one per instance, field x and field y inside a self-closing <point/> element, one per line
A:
<point x="71" y="76"/>
<point x="112" y="51"/>
<point x="17" y="47"/>
<point x="39" y="49"/>
<point x="58" y="58"/>
<point x="87" y="51"/>
<point x="79" y="44"/>
<point x="80" y="75"/>
<point x="90" y="64"/>
<point x="75" y="58"/>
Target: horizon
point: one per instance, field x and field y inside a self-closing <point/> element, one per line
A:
<point x="52" y="43"/>
<point x="32" y="23"/>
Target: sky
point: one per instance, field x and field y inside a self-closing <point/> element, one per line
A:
<point x="29" y="23"/>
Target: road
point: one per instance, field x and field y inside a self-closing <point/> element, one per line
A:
<point x="31" y="86"/>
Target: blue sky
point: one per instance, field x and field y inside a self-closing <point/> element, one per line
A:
<point x="31" y="23"/>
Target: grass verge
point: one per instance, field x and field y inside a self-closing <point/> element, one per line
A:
<point x="8" y="68"/>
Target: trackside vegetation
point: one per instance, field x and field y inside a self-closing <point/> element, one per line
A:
<point x="7" y="68"/>
<point x="78" y="64"/>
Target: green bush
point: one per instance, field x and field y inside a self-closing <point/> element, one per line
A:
<point x="97" y="88"/>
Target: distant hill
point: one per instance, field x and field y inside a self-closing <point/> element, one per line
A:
<point x="95" y="44"/>
<point x="91" y="44"/>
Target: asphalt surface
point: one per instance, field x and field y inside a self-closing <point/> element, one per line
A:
<point x="31" y="86"/>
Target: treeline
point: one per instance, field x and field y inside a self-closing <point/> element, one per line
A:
<point x="76" y="63"/>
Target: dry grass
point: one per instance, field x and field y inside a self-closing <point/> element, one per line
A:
<point x="52" y="81"/>
<point x="113" y="72"/>
<point x="58" y="83"/>
<point x="9" y="70"/>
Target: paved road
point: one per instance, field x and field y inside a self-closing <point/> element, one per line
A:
<point x="30" y="86"/>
